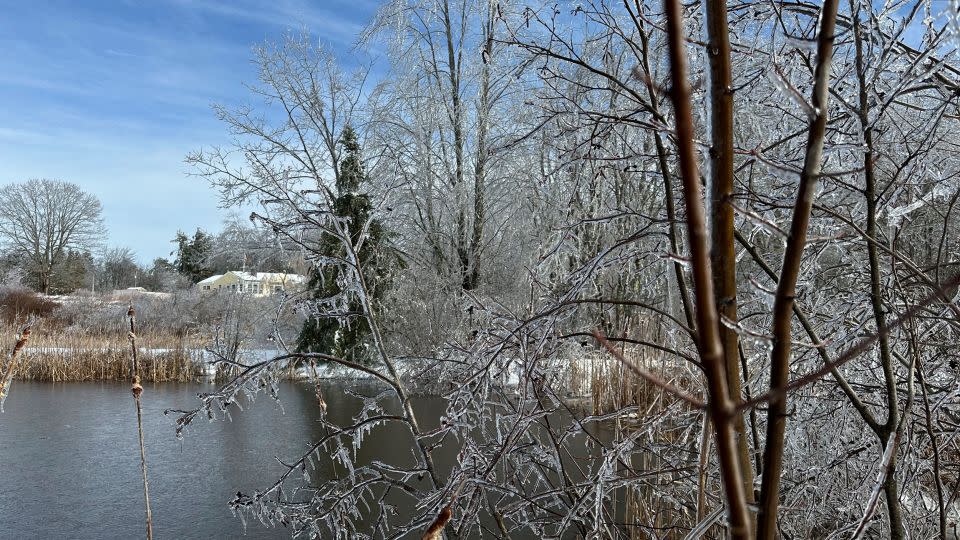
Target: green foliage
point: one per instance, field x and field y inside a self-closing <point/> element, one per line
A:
<point x="346" y="335"/>
<point x="192" y="255"/>
<point x="72" y="272"/>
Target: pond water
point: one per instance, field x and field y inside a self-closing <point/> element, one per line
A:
<point x="70" y="467"/>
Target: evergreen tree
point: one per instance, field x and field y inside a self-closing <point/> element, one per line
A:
<point x="346" y="335"/>
<point x="72" y="272"/>
<point x="192" y="255"/>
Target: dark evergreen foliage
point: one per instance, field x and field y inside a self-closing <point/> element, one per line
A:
<point x="192" y="254"/>
<point x="327" y="334"/>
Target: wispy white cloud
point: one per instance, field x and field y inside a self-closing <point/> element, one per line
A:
<point x="124" y="54"/>
<point x="24" y="136"/>
<point x="329" y="25"/>
<point x="113" y="95"/>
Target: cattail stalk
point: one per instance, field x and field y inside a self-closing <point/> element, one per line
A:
<point x="12" y="364"/>
<point x="435" y="531"/>
<point x="137" y="390"/>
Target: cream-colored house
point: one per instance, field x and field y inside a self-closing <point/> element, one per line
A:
<point x="257" y="284"/>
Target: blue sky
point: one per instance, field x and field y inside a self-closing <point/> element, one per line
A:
<point x="111" y="95"/>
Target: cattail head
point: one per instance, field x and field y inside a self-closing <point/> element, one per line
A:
<point x="21" y="340"/>
<point x="435" y="532"/>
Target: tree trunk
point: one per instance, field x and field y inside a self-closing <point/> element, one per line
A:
<point x="472" y="281"/>
<point x="876" y="300"/>
<point x="453" y="60"/>
<point x="789" y="273"/>
<point x="720" y="406"/>
<point x="723" y="255"/>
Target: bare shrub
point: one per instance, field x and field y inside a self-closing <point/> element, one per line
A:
<point x="21" y="304"/>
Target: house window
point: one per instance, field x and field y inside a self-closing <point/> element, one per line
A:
<point x="277" y="288"/>
<point x="206" y="287"/>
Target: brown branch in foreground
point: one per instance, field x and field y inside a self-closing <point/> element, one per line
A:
<point x="790" y="272"/>
<point x="720" y="406"/>
<point x="137" y="389"/>
<point x="723" y="257"/>
<point x="12" y="363"/>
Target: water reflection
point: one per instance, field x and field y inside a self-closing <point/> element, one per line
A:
<point x="69" y="463"/>
<point x="69" y="460"/>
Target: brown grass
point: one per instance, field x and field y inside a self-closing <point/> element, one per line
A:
<point x="56" y="356"/>
<point x="612" y="386"/>
<point x="22" y="304"/>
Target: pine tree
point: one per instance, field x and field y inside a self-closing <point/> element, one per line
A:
<point x="192" y="254"/>
<point x="72" y="273"/>
<point x="347" y="335"/>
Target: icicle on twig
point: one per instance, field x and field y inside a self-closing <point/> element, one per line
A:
<point x="886" y="462"/>
<point x="321" y="403"/>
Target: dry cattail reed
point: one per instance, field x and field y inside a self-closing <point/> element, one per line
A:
<point x="435" y="531"/>
<point x="55" y="355"/>
<point x="12" y="364"/>
<point x="137" y="390"/>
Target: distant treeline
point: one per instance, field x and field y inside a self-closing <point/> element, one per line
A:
<point x="193" y="258"/>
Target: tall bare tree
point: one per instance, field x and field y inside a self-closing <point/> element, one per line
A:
<point x="41" y="220"/>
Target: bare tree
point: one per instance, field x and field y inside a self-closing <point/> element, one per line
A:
<point x="43" y="219"/>
<point x="452" y="80"/>
<point x="119" y="269"/>
<point x="621" y="387"/>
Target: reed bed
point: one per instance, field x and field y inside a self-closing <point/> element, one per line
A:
<point x="667" y="452"/>
<point x="55" y="356"/>
<point x="611" y="385"/>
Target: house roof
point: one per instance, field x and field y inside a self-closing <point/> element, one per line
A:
<point x="267" y="276"/>
<point x="280" y="276"/>
<point x="210" y="279"/>
<point x="257" y="276"/>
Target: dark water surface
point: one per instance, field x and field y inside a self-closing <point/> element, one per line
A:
<point x="70" y="463"/>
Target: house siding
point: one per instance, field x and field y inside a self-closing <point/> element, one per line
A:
<point x="259" y="284"/>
